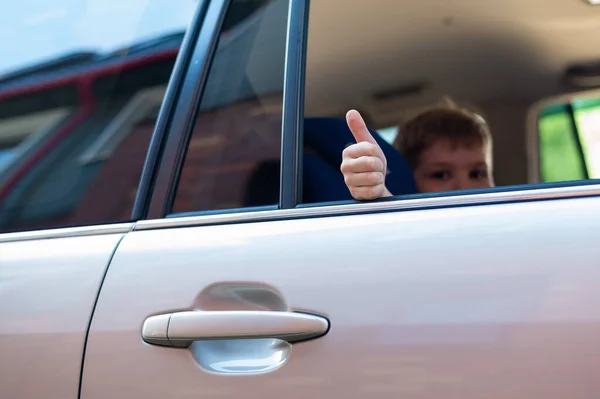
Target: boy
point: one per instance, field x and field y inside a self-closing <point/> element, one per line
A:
<point x="447" y="149"/>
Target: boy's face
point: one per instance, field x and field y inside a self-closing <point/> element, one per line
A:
<point x="445" y="166"/>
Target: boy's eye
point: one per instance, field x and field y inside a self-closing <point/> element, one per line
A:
<point x="478" y="174"/>
<point x="441" y="175"/>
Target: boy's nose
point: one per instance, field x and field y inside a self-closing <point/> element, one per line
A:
<point x="463" y="183"/>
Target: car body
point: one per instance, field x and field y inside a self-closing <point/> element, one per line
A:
<point x="164" y="231"/>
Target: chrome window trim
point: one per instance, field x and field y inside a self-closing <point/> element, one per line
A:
<point x="67" y="232"/>
<point x="553" y="193"/>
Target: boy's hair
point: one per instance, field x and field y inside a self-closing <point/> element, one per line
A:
<point x="459" y="126"/>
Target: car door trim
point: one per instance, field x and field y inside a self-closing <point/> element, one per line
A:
<point x="394" y="204"/>
<point x="292" y="126"/>
<point x="67" y="232"/>
<point x="270" y="214"/>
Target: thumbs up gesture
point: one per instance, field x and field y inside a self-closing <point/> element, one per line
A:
<point x="363" y="164"/>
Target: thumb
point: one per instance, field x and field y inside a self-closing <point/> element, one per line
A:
<point x="358" y="127"/>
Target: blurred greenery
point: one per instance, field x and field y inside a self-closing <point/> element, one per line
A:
<point x="559" y="155"/>
<point x="560" y="159"/>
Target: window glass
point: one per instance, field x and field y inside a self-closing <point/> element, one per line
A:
<point x="5" y="155"/>
<point x="569" y="141"/>
<point x="388" y="134"/>
<point x="560" y="159"/>
<point x="587" y="115"/>
<point x="233" y="155"/>
<point x="80" y="86"/>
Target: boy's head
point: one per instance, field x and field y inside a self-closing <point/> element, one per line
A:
<point x="447" y="149"/>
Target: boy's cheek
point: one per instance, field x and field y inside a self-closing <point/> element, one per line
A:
<point x="430" y="186"/>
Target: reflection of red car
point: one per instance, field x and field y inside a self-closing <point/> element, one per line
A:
<point x="68" y="129"/>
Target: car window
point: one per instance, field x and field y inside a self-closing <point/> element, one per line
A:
<point x="233" y="154"/>
<point x="405" y="78"/>
<point x="569" y="140"/>
<point x="80" y="88"/>
<point x="388" y="133"/>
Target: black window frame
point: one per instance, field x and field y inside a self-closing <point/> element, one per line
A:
<point x="152" y="181"/>
<point x="177" y="117"/>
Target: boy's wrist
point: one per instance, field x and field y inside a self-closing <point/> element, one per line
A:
<point x="386" y="192"/>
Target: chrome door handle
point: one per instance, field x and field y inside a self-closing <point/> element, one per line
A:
<point x="180" y="329"/>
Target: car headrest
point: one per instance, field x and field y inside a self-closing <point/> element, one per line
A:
<point x="328" y="137"/>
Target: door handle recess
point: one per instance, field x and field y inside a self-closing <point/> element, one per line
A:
<point x="180" y="329"/>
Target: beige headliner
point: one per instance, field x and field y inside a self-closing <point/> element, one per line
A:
<point x="473" y="50"/>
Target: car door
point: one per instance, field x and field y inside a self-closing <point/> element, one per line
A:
<point x="489" y="301"/>
<point x="226" y="291"/>
<point x="48" y="287"/>
<point x="75" y="129"/>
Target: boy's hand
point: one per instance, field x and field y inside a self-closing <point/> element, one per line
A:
<point x="363" y="164"/>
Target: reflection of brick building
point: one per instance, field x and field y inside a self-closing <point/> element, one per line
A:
<point x="226" y="146"/>
<point x="112" y="192"/>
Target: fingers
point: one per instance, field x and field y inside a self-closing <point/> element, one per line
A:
<point x="362" y="165"/>
<point x="362" y="149"/>
<point x="364" y="175"/>
<point x="366" y="179"/>
<point x="358" y="127"/>
<point x="367" y="193"/>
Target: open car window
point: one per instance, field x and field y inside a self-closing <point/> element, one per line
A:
<point x="492" y="63"/>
